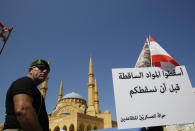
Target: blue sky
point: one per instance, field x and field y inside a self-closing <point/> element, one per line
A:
<point x="68" y="32"/>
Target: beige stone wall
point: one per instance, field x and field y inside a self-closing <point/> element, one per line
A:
<point x="90" y="122"/>
<point x="114" y="123"/>
<point x="62" y="121"/>
<point x="80" y="122"/>
<point x="1" y="127"/>
<point x="72" y="105"/>
<point x="108" y="123"/>
<point x="188" y="127"/>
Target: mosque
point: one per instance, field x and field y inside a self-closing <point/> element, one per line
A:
<point x="72" y="112"/>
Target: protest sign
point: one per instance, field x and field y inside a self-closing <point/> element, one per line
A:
<point x="153" y="96"/>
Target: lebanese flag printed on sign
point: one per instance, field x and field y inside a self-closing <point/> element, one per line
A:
<point x="160" y="58"/>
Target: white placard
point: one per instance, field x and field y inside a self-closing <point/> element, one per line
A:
<point x="152" y="96"/>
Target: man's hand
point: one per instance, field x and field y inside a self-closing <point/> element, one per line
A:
<point x="25" y="112"/>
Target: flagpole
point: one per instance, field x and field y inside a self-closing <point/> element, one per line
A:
<point x="5" y="41"/>
<point x="2" y="48"/>
<point x="150" y="51"/>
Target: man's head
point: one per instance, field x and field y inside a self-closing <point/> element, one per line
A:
<point x="39" y="70"/>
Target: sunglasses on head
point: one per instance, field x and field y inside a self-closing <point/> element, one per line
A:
<point x="42" y="67"/>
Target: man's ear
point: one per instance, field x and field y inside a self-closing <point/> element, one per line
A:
<point x="30" y="70"/>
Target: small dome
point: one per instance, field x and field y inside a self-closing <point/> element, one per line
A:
<point x="72" y="95"/>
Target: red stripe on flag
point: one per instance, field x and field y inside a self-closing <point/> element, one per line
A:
<point x="151" y="39"/>
<point x="163" y="58"/>
<point x="157" y="64"/>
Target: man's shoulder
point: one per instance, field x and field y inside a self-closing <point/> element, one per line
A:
<point x="23" y="85"/>
<point x="24" y="79"/>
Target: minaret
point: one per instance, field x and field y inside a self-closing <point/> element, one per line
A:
<point x="44" y="88"/>
<point x="96" y="100"/>
<point x="91" y="108"/>
<point x="61" y="91"/>
<point x="144" y="59"/>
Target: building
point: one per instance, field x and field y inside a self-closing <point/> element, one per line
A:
<point x="188" y="127"/>
<point x="72" y="112"/>
<point x="1" y="126"/>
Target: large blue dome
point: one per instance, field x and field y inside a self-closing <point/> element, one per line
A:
<point x="72" y="95"/>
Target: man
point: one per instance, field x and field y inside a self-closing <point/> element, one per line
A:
<point x="25" y="106"/>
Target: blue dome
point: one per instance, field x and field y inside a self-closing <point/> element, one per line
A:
<point x="72" y="95"/>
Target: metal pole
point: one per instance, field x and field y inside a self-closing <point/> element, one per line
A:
<point x="5" y="41"/>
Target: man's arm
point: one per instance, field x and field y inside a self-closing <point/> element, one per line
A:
<point x="25" y="112"/>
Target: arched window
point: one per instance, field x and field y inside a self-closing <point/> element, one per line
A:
<point x="71" y="128"/>
<point x="81" y="127"/>
<point x="95" y="128"/>
<point x="88" y="127"/>
<point x="64" y="128"/>
<point x="57" y="128"/>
